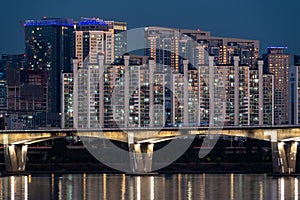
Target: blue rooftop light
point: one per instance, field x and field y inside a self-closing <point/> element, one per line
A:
<point x="50" y="22"/>
<point x="91" y="21"/>
<point x="272" y="47"/>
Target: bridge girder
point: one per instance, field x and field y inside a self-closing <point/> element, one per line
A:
<point x="29" y="137"/>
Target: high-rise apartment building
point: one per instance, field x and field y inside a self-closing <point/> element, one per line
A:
<point x="131" y="94"/>
<point x="128" y="94"/>
<point x="234" y="94"/>
<point x="184" y="97"/>
<point x="49" y="46"/>
<point x="170" y="46"/>
<point x="277" y="63"/>
<point x="223" y="49"/>
<point x="93" y="36"/>
<point x="213" y="81"/>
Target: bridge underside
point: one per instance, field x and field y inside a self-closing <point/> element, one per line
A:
<point x="141" y="143"/>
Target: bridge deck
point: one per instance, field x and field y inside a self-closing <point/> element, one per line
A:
<point x="286" y="132"/>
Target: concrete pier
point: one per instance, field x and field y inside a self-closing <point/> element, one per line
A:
<point x="15" y="158"/>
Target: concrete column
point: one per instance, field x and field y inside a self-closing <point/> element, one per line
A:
<point x="148" y="158"/>
<point x="141" y="157"/>
<point x="273" y="100"/>
<point x="284" y="157"/>
<point x="131" y="151"/>
<point x="236" y="90"/>
<point x="89" y="68"/>
<point x="291" y="153"/>
<point x="185" y="93"/>
<point x="126" y="91"/>
<point x="283" y="165"/>
<point x="75" y="62"/>
<point x="198" y="97"/>
<point x="21" y="152"/>
<point x="101" y="90"/>
<point x="15" y="157"/>
<point x="151" y="92"/>
<point x="276" y="158"/>
<point x="138" y="159"/>
<point x="260" y="92"/>
<point x="173" y="95"/>
<point x="211" y="90"/>
<point x="62" y="102"/>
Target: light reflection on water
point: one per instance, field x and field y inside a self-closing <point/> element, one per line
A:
<point x="176" y="186"/>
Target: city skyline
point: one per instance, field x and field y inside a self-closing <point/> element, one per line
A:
<point x="49" y="44"/>
<point x="272" y="24"/>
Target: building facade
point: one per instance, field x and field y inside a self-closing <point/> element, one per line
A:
<point x="134" y="95"/>
<point x="129" y="94"/>
<point x="235" y="94"/>
<point x="67" y="100"/>
<point x="94" y="35"/>
<point x="170" y="46"/>
<point x="49" y="47"/>
<point x="277" y="63"/>
<point x="294" y="91"/>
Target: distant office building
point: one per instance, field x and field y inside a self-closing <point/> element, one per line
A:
<point x="12" y="76"/>
<point x="34" y="98"/>
<point x="22" y="100"/>
<point x="10" y="61"/>
<point x="277" y="62"/>
<point x="294" y="91"/>
<point x="49" y="46"/>
<point x="93" y="36"/>
<point x="120" y="37"/>
<point x="268" y="99"/>
<point x="3" y="89"/>
<point x="297" y="60"/>
<point x="3" y="94"/>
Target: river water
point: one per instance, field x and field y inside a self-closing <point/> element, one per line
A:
<point x="175" y="186"/>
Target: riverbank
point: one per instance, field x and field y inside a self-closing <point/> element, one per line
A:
<point x="256" y="168"/>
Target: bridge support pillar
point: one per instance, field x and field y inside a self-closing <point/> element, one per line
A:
<point x="141" y="157"/>
<point x="15" y="157"/>
<point x="284" y="157"/>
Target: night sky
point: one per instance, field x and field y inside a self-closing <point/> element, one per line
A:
<point x="273" y="22"/>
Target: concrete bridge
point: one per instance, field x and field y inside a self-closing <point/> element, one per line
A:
<point x="284" y="142"/>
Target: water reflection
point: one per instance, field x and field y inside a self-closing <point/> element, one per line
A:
<point x="177" y="186"/>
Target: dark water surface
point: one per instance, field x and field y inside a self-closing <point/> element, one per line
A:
<point x="176" y="186"/>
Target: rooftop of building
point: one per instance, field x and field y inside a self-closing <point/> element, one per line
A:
<point x="91" y="21"/>
<point x="50" y="22"/>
